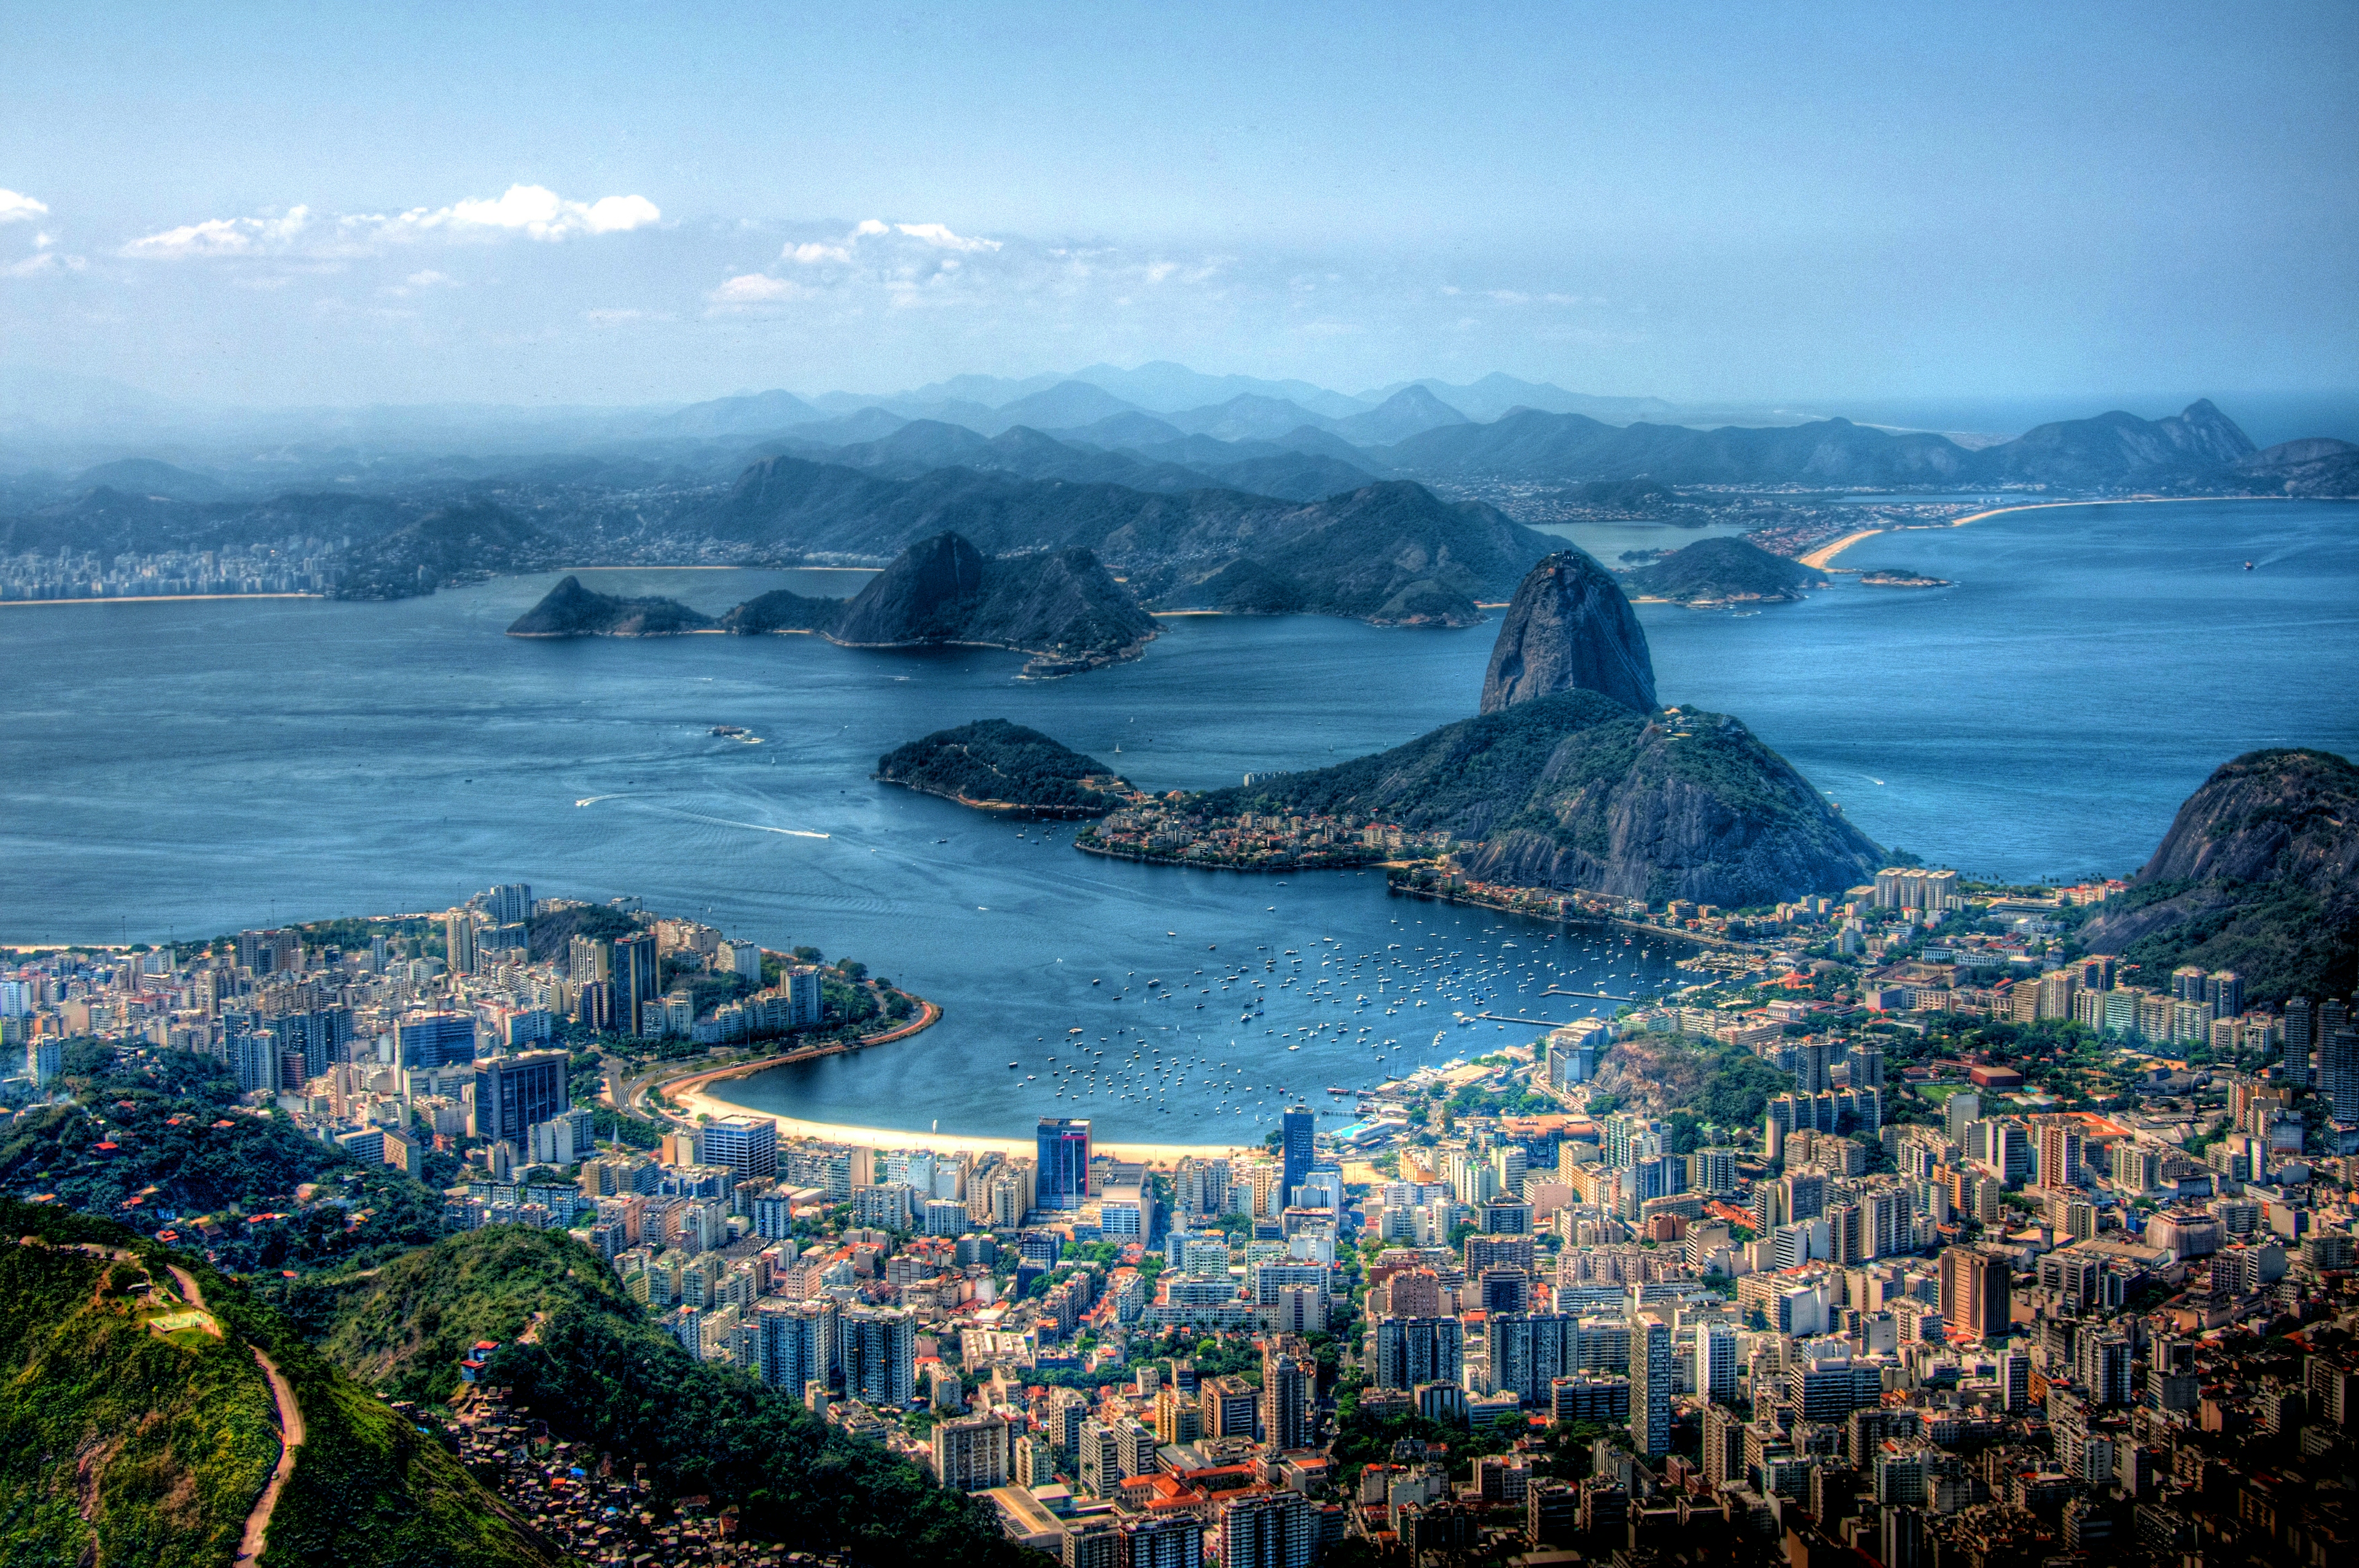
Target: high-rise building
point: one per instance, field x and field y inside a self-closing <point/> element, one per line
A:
<point x="1715" y="1361"/>
<point x="1653" y="1376"/>
<point x="435" y="1039"/>
<point x="2300" y="1040"/>
<point x="879" y="1351"/>
<point x="509" y="903"/>
<point x="272" y="952"/>
<point x="1413" y="1350"/>
<point x="1169" y="1540"/>
<point x="1975" y="1294"/>
<point x="971" y="1453"/>
<point x="1295" y="1150"/>
<point x="513" y="1093"/>
<point x="794" y="1342"/>
<point x="1268" y="1530"/>
<point x="1288" y="1384"/>
<point x="746" y="1145"/>
<point x="1063" y="1182"/>
<point x="44" y="1058"/>
<point x="637" y="978"/>
<point x="458" y="941"/>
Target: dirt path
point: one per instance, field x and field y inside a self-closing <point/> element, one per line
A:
<point x="291" y="1434"/>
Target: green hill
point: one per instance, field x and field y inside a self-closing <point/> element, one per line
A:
<point x="600" y="1371"/>
<point x="1719" y="571"/>
<point x="136" y="1428"/>
<point x="994" y="763"/>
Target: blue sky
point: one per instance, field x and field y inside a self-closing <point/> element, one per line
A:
<point x="347" y="204"/>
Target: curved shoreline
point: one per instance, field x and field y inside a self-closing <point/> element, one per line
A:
<point x="1819" y="558"/>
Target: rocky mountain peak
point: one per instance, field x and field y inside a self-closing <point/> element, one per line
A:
<point x="1570" y="628"/>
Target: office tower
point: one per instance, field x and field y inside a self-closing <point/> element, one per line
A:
<point x="510" y="904"/>
<point x="458" y="941"/>
<point x="44" y="1059"/>
<point x="427" y="1040"/>
<point x="254" y="1057"/>
<point x="1063" y="1144"/>
<point x="746" y="1145"/>
<point x="2015" y="1379"/>
<point x="2337" y="1054"/>
<point x="1976" y="1293"/>
<point x="513" y="1093"/>
<point x="1653" y="1376"/>
<point x="1723" y="1445"/>
<point x="587" y="959"/>
<point x="1295" y="1150"/>
<point x="1810" y="1066"/>
<point x="1960" y="1111"/>
<point x="637" y="979"/>
<point x="2224" y="990"/>
<point x="1270" y="1530"/>
<point x="879" y="1350"/>
<point x="1866" y="1064"/>
<point x="1529" y="1351"/>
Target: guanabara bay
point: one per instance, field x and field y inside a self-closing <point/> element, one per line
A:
<point x="1509" y="789"/>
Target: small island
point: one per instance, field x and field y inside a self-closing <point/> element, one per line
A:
<point x="1900" y="577"/>
<point x="996" y="765"/>
<point x="1060" y="606"/>
<point x="1717" y="573"/>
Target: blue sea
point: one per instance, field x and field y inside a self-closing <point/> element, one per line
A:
<point x="187" y="769"/>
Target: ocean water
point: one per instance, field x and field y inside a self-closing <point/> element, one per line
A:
<point x="194" y="768"/>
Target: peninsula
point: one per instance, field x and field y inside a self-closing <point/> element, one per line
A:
<point x="1716" y="573"/>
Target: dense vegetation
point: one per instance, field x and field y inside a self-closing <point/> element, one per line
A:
<point x="166" y="1142"/>
<point x="1721" y="569"/>
<point x="993" y="760"/>
<point x="600" y="1372"/>
<point x="125" y="1443"/>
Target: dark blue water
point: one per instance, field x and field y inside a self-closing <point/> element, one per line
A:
<point x="194" y="768"/>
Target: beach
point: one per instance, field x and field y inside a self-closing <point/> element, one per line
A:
<point x="1821" y="557"/>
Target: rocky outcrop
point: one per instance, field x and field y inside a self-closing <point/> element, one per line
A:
<point x="2316" y="466"/>
<point x="995" y="764"/>
<point x="569" y="609"/>
<point x="1577" y="790"/>
<point x="1570" y="628"/>
<point x="2258" y="873"/>
<point x="1059" y="604"/>
<point x="781" y="611"/>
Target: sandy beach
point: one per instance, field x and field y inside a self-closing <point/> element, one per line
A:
<point x="1817" y="559"/>
<point x="698" y="1101"/>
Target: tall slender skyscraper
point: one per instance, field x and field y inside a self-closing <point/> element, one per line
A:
<point x="1653" y="1372"/>
<point x="459" y="940"/>
<point x="637" y="979"/>
<point x="1295" y="1130"/>
<point x="1063" y="1146"/>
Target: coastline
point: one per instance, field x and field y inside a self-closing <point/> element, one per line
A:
<point x="156" y="599"/>
<point x="1819" y="558"/>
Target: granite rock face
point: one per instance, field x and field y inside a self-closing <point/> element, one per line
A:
<point x="1061" y="604"/>
<point x="1570" y="629"/>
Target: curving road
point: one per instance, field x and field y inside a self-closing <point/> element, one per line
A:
<point x="290" y="1435"/>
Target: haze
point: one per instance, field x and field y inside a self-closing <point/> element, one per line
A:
<point x="336" y="206"/>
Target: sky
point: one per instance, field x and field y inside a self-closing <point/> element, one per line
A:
<point x="278" y="206"/>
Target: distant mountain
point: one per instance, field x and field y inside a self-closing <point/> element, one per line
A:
<point x="2259" y="873"/>
<point x="1061" y="605"/>
<point x="781" y="611"/>
<point x="869" y="424"/>
<point x="1163" y="387"/>
<point x="753" y="414"/>
<point x="455" y="543"/>
<point x="147" y="476"/>
<point x="1349" y="554"/>
<point x="1570" y="628"/>
<point x="1247" y="418"/>
<point x="1409" y="411"/>
<point x="2111" y="449"/>
<point x="1495" y="394"/>
<point x="992" y="762"/>
<point x="1131" y="429"/>
<point x="2319" y="466"/>
<point x="107" y="521"/>
<point x="2118" y="449"/>
<point x="1294" y="476"/>
<point x="1722" y="571"/>
<point x="922" y="446"/>
<point x="569" y="609"/>
<point x="1068" y="403"/>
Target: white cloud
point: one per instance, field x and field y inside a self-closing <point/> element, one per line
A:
<point x="757" y="288"/>
<point x="429" y="278"/>
<point x="41" y="262"/>
<point x="532" y="211"/>
<point x="936" y="235"/>
<point x="223" y="237"/>
<point x="814" y="252"/>
<point x="19" y="208"/>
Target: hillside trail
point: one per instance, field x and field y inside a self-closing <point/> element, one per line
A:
<point x="290" y="1437"/>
